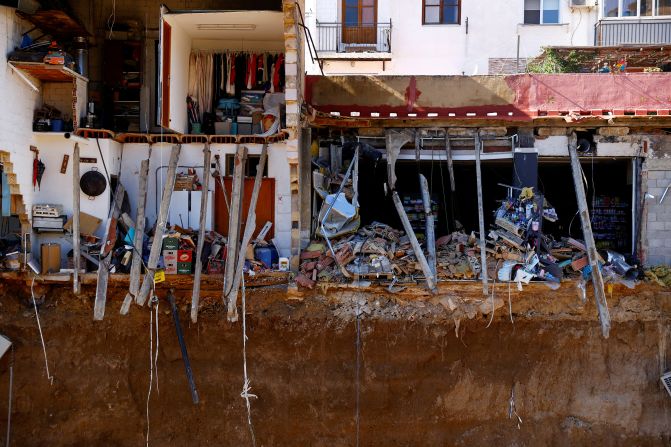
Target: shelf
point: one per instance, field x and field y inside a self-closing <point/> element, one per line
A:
<point x="46" y="72"/>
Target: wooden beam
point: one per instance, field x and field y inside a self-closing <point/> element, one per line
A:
<point x="592" y="254"/>
<point x="106" y="253"/>
<point x="250" y="227"/>
<point x="450" y="164"/>
<point x="481" y="216"/>
<point x="235" y="211"/>
<point x="138" y="241"/>
<point x="161" y="224"/>
<point x="76" y="239"/>
<point x="195" y="294"/>
<point x="430" y="225"/>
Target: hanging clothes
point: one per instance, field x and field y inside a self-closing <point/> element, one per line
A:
<point x="279" y="66"/>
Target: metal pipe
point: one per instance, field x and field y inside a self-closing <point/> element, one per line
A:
<point x="182" y="347"/>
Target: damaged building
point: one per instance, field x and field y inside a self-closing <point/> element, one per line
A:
<point x="322" y="206"/>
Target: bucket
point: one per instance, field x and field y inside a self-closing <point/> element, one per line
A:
<point x="57" y="125"/>
<point x="268" y="255"/>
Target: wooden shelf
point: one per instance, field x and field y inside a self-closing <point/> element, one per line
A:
<point x="46" y="72"/>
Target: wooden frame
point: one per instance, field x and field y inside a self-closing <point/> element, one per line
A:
<point x="441" y="6"/>
<point x="361" y="33"/>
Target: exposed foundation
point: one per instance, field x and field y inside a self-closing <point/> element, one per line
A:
<point x="418" y="383"/>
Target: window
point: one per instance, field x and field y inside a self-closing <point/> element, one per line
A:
<point x="541" y="11"/>
<point x="636" y="8"/>
<point x="441" y="12"/>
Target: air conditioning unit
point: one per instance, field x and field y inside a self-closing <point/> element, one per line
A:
<point x="582" y="3"/>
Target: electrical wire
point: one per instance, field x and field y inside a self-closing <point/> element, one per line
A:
<point x="153" y="306"/>
<point x="246" y="387"/>
<point x="39" y="327"/>
<point x="111" y="20"/>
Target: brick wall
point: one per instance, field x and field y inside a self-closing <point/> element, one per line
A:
<point x="506" y="65"/>
<point x="656" y="232"/>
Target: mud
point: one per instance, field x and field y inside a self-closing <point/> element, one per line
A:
<point x="419" y="384"/>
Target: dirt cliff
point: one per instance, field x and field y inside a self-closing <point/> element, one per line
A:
<point x="418" y="383"/>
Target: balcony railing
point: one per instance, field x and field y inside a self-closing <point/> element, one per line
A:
<point x="340" y="38"/>
<point x="634" y="32"/>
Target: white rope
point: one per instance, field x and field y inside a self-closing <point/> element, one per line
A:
<point x="39" y="327"/>
<point x="510" y="305"/>
<point x="153" y="307"/>
<point x="156" y="354"/>
<point x="246" y="387"/>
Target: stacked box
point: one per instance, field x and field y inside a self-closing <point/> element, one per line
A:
<point x="184" y="262"/>
<point x="184" y="268"/>
<point x="170" y="261"/>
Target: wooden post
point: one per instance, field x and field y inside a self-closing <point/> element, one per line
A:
<point x="430" y="225"/>
<point x="138" y="241"/>
<point x="195" y="295"/>
<point x="450" y="163"/>
<point x="161" y="223"/>
<point x="250" y="227"/>
<point x="76" y="239"/>
<point x="395" y="140"/>
<point x="481" y="214"/>
<point x="233" y="244"/>
<point x="592" y="254"/>
<point x="428" y="274"/>
<point x="106" y="254"/>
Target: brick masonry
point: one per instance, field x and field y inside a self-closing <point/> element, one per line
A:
<point x="656" y="234"/>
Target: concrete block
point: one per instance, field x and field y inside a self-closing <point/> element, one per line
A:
<point x="551" y="131"/>
<point x="656" y="260"/>
<point x="656" y="226"/>
<point x="613" y="131"/>
<point x="655" y="243"/>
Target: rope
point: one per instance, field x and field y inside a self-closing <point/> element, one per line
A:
<point x="510" y="305"/>
<point x="246" y="387"/>
<point x="153" y="308"/>
<point x="9" y="403"/>
<point x="39" y="327"/>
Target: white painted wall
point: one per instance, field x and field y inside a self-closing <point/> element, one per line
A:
<point x="192" y="156"/>
<point x="18" y="103"/>
<point x="493" y="30"/>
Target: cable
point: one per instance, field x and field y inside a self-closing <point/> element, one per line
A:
<point x="246" y="387"/>
<point x="10" y="394"/>
<point x="153" y="306"/>
<point x="112" y="19"/>
<point x="103" y="160"/>
<point x="39" y="327"/>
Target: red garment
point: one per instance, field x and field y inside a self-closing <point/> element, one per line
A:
<point x="248" y="75"/>
<point x="276" y="72"/>
<point x="231" y="78"/>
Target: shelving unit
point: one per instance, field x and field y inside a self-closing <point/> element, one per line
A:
<point x="123" y="82"/>
<point x="414" y="208"/>
<point x="611" y="223"/>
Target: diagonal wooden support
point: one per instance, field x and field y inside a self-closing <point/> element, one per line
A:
<point x="161" y="224"/>
<point x="106" y="253"/>
<point x="430" y="225"/>
<point x="250" y="227"/>
<point x="136" y="267"/>
<point x="195" y="294"/>
<point x="76" y="238"/>
<point x="592" y="254"/>
<point x="481" y="215"/>
<point x="233" y="245"/>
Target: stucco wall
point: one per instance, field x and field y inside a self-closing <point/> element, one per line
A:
<point x="493" y="30"/>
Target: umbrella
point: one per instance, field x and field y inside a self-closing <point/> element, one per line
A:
<point x="41" y="167"/>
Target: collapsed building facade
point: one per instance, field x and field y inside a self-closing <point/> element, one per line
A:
<point x="192" y="164"/>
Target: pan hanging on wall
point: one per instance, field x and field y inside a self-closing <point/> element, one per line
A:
<point x="93" y="183"/>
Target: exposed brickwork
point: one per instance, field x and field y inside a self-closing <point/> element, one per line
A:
<point x="506" y="65"/>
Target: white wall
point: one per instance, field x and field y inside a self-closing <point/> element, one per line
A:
<point x="192" y="155"/>
<point x="493" y="27"/>
<point x="18" y="103"/>
<point x="179" y="76"/>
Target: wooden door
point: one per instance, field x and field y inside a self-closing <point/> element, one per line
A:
<point x="165" y="74"/>
<point x="359" y="21"/>
<point x="265" y="206"/>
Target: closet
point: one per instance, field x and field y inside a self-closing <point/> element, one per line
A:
<point x="222" y="72"/>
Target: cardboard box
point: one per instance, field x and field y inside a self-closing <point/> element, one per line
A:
<point x="170" y="243"/>
<point x="185" y="256"/>
<point x="184" y="268"/>
<point x="222" y="128"/>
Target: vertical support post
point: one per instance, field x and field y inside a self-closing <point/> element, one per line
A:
<point x="250" y="227"/>
<point x="161" y="223"/>
<point x="138" y="241"/>
<point x="76" y="239"/>
<point x="481" y="214"/>
<point x="430" y="225"/>
<point x="233" y="245"/>
<point x="592" y="254"/>
<point x="195" y="294"/>
<point x="450" y="163"/>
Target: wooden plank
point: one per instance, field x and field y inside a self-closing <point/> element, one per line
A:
<point x="450" y="163"/>
<point x="430" y="225"/>
<point x="250" y="227"/>
<point x="136" y="266"/>
<point x="195" y="294"/>
<point x="161" y="223"/>
<point x="592" y="254"/>
<point x="481" y="215"/>
<point x="413" y="241"/>
<point x="234" y="220"/>
<point x="106" y="255"/>
<point x="76" y="239"/>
